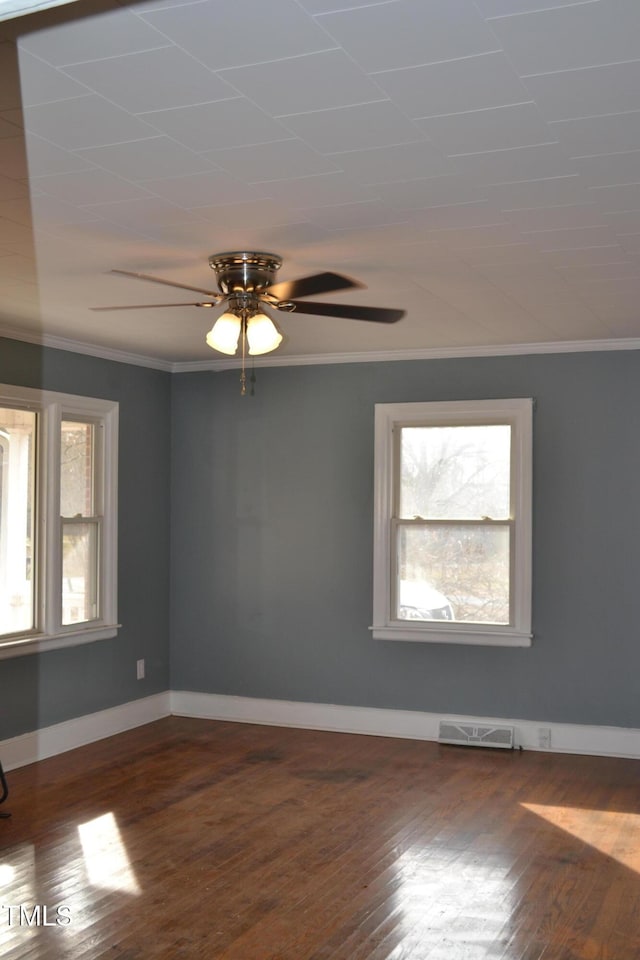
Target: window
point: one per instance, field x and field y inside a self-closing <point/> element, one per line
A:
<point x="452" y="534"/>
<point x="58" y="497"/>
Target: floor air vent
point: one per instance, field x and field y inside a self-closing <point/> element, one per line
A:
<point x="475" y="735"/>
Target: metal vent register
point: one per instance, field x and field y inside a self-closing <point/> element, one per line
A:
<point x="475" y="735"/>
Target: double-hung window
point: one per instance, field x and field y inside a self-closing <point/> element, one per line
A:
<point x="452" y="525"/>
<point x="58" y="524"/>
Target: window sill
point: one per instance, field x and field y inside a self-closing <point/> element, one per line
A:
<point x="41" y="643"/>
<point x="437" y="634"/>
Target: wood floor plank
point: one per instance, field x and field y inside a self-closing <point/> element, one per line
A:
<point x="190" y="839"/>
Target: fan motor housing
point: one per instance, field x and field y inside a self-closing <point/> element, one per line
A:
<point x="241" y="271"/>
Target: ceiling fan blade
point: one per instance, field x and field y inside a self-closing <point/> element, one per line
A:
<point x="169" y="283"/>
<point x="349" y="311"/>
<point x="152" y="306"/>
<point x="318" y="283"/>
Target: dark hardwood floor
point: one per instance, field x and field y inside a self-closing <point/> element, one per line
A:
<point x="197" y="839"/>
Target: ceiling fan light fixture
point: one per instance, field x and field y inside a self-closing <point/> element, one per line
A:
<point x="262" y="334"/>
<point x="225" y="333"/>
<point x="246" y="284"/>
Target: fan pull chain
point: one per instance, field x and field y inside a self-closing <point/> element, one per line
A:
<point x="243" y="377"/>
<point x="243" y="373"/>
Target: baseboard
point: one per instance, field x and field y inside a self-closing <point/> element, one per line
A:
<point x="49" y="741"/>
<point x="405" y="724"/>
<point x="371" y="721"/>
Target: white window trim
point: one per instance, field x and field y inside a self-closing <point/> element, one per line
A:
<point x="52" y="408"/>
<point x="390" y="416"/>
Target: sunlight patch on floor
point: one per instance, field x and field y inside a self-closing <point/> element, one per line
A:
<point x="614" y="833"/>
<point x="449" y="903"/>
<point x="105" y="856"/>
<point x="17" y="874"/>
<point x="17" y="886"/>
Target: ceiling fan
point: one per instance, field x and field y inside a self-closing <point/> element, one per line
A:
<point x="249" y="295"/>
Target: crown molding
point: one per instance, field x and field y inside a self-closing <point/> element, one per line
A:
<point x="88" y="349"/>
<point x="216" y="365"/>
<point x="433" y="353"/>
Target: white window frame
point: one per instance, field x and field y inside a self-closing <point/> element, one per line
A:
<point x="52" y="408"/>
<point x="389" y="418"/>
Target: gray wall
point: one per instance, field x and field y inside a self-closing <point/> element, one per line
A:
<point x="272" y="540"/>
<point x="38" y="690"/>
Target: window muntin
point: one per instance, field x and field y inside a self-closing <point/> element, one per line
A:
<point x="452" y="558"/>
<point x="73" y="503"/>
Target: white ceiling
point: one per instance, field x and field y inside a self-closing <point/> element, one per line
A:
<point x="474" y="162"/>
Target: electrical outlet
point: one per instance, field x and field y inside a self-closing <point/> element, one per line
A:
<point x="140" y="669"/>
<point x="544" y="738"/>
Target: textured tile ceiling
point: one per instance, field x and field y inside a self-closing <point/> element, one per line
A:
<point x="474" y="162"/>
